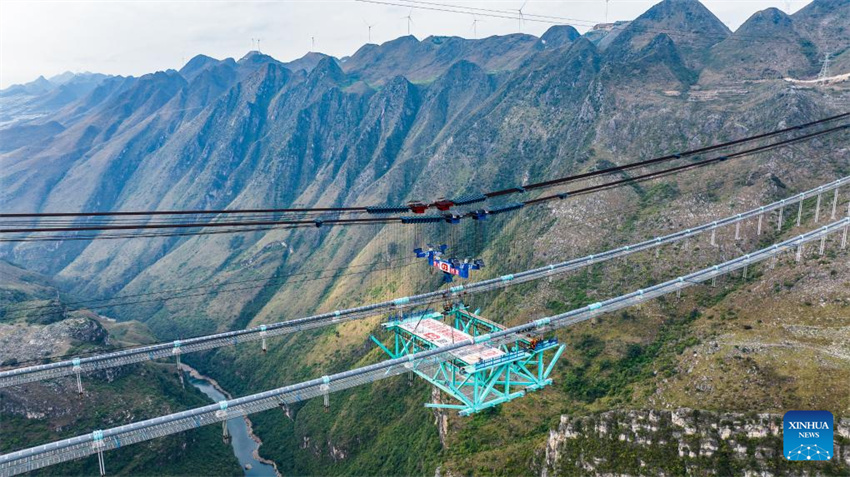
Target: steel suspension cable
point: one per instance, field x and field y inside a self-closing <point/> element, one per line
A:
<point x="360" y="221"/>
<point x="498" y="193"/>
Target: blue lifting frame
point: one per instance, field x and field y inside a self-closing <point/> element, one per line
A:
<point x="519" y="367"/>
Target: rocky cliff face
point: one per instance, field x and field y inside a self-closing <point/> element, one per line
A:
<point x="455" y="116"/>
<point x="682" y="441"/>
<point x="26" y="343"/>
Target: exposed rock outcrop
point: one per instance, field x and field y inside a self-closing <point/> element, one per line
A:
<point x="682" y="441"/>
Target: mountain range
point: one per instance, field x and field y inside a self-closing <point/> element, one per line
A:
<point x="370" y="119"/>
<point x="418" y="119"/>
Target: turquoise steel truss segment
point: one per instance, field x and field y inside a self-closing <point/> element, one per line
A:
<point x="481" y="378"/>
<point x="146" y="353"/>
<point x="73" y="448"/>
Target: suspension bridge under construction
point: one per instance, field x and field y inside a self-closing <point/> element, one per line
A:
<point x="760" y="215"/>
<point x="423" y="363"/>
<point x="474" y="360"/>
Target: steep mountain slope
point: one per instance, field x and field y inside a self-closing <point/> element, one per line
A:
<point x="774" y="50"/>
<point x="691" y="26"/>
<point x="15" y="137"/>
<point x="459" y="116"/>
<point x="604" y="34"/>
<point x="558" y="36"/>
<point x="841" y="63"/>
<point x="826" y="23"/>
<point x="21" y="288"/>
<point x="198" y="64"/>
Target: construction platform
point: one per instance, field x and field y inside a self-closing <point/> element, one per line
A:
<point x="478" y="376"/>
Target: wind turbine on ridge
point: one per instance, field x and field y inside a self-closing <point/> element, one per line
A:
<point x="520" y="18"/>
<point x="475" y="21"/>
<point x="409" y="18"/>
<point x="370" y="29"/>
<point x="255" y="44"/>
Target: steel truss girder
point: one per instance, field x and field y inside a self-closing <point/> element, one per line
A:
<point x="479" y="386"/>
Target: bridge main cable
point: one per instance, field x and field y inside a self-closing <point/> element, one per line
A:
<point x="381" y="209"/>
<point x="259" y="225"/>
<point x="102" y="440"/>
<point x="168" y="349"/>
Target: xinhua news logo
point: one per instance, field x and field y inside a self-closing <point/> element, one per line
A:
<point x="807" y="435"/>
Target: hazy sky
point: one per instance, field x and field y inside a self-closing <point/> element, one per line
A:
<point x="133" y="37"/>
